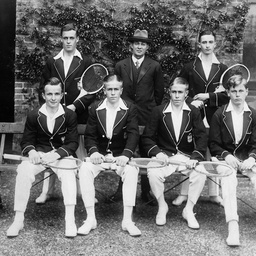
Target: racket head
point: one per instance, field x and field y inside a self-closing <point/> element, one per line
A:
<point x="92" y="78"/>
<point x="147" y="162"/>
<point x="214" y="169"/>
<point x="237" y="69"/>
<point x="62" y="164"/>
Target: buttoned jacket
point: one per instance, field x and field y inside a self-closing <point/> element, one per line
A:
<point x="222" y="137"/>
<point x="63" y="139"/>
<point x="55" y="68"/>
<point x="193" y="72"/>
<point x="148" y="91"/>
<point x="125" y="131"/>
<point x="159" y="135"/>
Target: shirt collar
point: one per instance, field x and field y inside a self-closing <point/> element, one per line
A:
<point x="231" y="107"/>
<point x="61" y="55"/>
<point x="59" y="112"/>
<point x="169" y="108"/>
<point x="121" y="105"/>
<point x="214" y="58"/>
<point x="139" y="60"/>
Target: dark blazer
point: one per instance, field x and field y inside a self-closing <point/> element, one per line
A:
<point x="37" y="136"/>
<point x="222" y="137"/>
<point x="148" y="91"/>
<point x="159" y="134"/>
<point x="194" y="74"/>
<point x="55" y="68"/>
<point x="125" y="133"/>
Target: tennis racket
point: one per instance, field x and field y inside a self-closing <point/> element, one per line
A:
<point x="60" y="165"/>
<point x="209" y="168"/>
<point x="91" y="80"/>
<point x="237" y="69"/>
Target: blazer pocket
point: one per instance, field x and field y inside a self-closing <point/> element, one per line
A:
<point x="63" y="131"/>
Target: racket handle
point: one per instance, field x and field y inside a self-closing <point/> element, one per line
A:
<point x="15" y="157"/>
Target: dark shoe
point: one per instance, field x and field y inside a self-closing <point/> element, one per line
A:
<point x="148" y="199"/>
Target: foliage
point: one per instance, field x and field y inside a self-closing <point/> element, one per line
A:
<point x="172" y="25"/>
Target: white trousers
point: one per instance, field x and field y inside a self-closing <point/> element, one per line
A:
<point x="157" y="178"/>
<point x="89" y="171"/>
<point x="26" y="172"/>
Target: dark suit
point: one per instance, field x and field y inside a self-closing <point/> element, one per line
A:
<point x="37" y="136"/>
<point x="193" y="72"/>
<point x="148" y="91"/>
<point x="55" y="68"/>
<point x="125" y="132"/>
<point x="159" y="134"/>
<point x="222" y="137"/>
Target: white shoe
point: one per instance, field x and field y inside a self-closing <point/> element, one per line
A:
<point x="130" y="227"/>
<point x="14" y="229"/>
<point x="179" y="200"/>
<point x="190" y="218"/>
<point x="233" y="234"/>
<point x="161" y="215"/>
<point x="43" y="198"/>
<point x="70" y="229"/>
<point x="87" y="227"/>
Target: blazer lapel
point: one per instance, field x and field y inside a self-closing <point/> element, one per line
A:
<point x="247" y="121"/>
<point x="146" y="65"/>
<point x="198" y="69"/>
<point x="119" y="117"/>
<point x="227" y="120"/>
<point x="58" y="123"/>
<point x="43" y="123"/>
<point x="76" y="62"/>
<point x="127" y="66"/>
<point x="184" y="123"/>
<point x="58" y="64"/>
<point x="167" y="119"/>
<point x="101" y="114"/>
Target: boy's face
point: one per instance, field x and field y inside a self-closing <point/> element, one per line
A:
<point x="207" y="44"/>
<point x="178" y="94"/>
<point x="52" y="95"/>
<point x="238" y="94"/>
<point x="113" y="91"/>
<point x="69" y="40"/>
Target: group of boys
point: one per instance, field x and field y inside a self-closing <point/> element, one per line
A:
<point x="174" y="130"/>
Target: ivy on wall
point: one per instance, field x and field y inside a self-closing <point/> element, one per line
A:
<point x="173" y="26"/>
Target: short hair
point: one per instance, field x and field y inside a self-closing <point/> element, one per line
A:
<point x="206" y="33"/>
<point x="68" y="27"/>
<point x="180" y="80"/>
<point x="53" y="81"/>
<point x="112" y="77"/>
<point x="236" y="80"/>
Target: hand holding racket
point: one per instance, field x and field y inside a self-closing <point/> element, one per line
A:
<point x="73" y="163"/>
<point x="237" y="69"/>
<point x="208" y="168"/>
<point x="91" y="80"/>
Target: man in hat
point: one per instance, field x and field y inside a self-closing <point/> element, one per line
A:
<point x="143" y="84"/>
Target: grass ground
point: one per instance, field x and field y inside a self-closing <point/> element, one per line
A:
<point x="44" y="226"/>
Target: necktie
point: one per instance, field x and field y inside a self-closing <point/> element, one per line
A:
<point x="137" y="64"/>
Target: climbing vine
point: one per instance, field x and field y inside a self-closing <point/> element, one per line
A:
<point x="172" y="25"/>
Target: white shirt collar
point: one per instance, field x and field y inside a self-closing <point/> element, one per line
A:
<point x="61" y="55"/>
<point x="59" y="112"/>
<point x="139" y="60"/>
<point x="214" y="58"/>
<point x="231" y="107"/>
<point x="121" y="105"/>
<point x="169" y="108"/>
